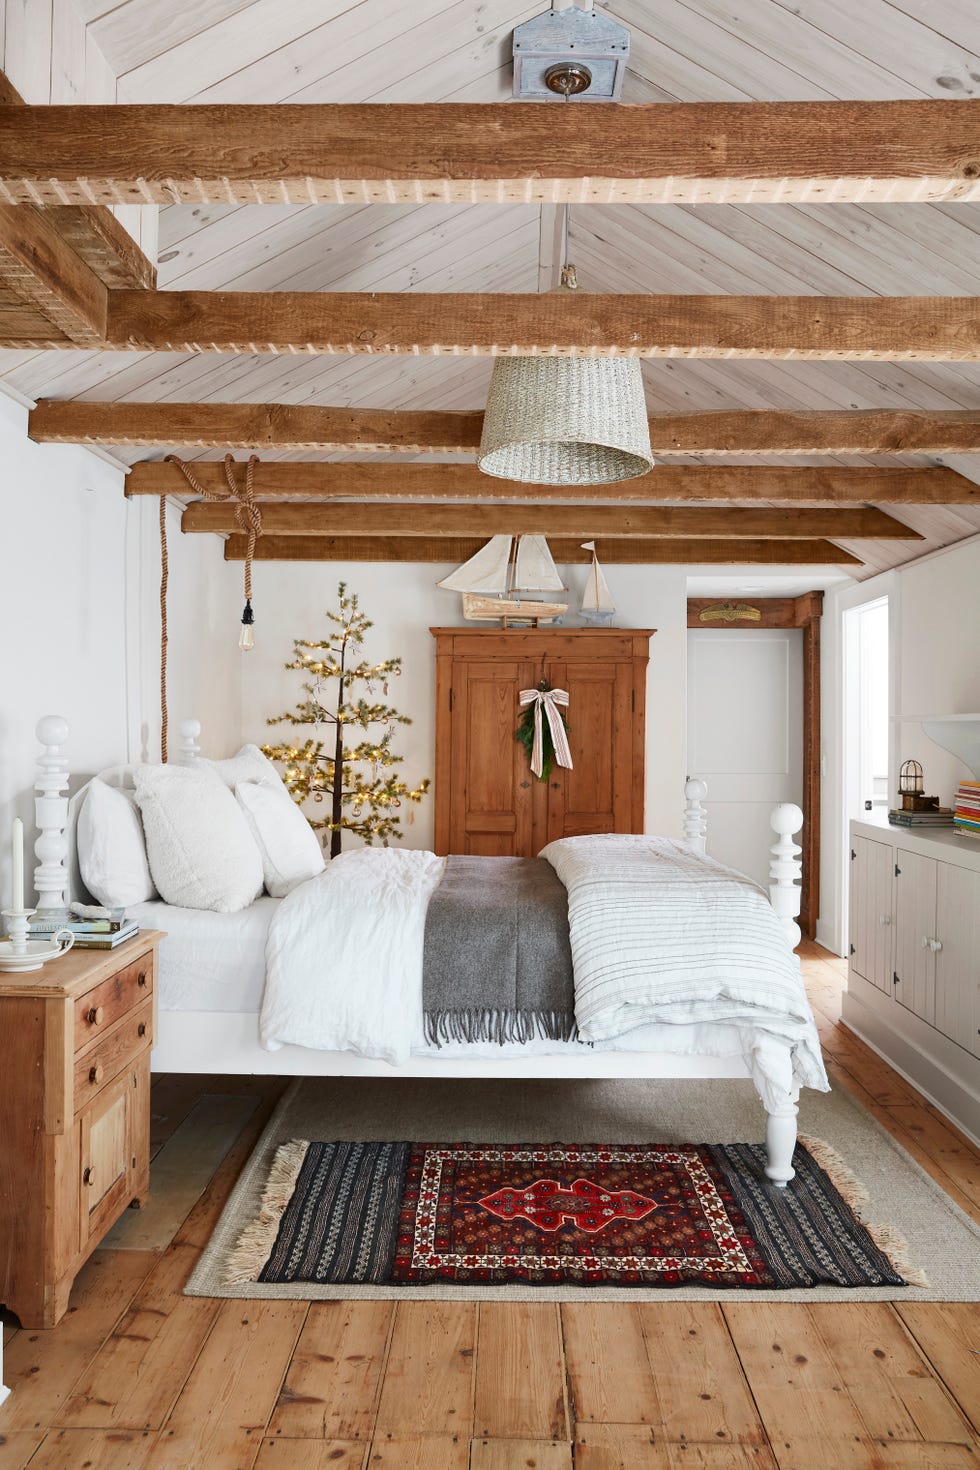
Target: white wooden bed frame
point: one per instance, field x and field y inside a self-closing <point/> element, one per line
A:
<point x="227" y="1042"/>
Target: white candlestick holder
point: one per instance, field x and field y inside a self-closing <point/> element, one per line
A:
<point x="17" y="931"/>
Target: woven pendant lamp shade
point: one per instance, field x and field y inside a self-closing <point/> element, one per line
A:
<point x="566" y="421"/>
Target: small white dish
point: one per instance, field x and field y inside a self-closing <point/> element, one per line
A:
<point x="36" y="952"/>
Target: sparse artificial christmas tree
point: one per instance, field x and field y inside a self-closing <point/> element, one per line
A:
<point x="364" y="802"/>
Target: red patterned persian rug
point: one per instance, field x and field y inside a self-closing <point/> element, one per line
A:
<point x="625" y="1215"/>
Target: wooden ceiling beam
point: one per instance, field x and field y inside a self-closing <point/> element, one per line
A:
<point x="40" y="269"/>
<point x="773" y="484"/>
<point x="394" y="431"/>
<point x="344" y="518"/>
<point x="636" y="553"/>
<point x="93" y="231"/>
<point x="880" y="328"/>
<point x="659" y="153"/>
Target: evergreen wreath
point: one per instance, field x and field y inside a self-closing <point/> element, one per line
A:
<point x="525" y="734"/>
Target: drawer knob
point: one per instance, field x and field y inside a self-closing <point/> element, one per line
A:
<point x="95" y="1074"/>
<point x="95" y="1015"/>
<point x="141" y="979"/>
<point x="88" y="1175"/>
<point x="141" y="1029"/>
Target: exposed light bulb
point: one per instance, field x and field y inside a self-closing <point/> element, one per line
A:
<point x="246" y="638"/>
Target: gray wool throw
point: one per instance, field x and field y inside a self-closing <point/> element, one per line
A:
<point x="497" y="962"/>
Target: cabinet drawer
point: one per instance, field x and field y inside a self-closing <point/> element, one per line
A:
<point x="103" y="1006"/>
<point x="112" y="1052"/>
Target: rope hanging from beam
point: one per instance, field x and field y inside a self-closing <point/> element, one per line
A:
<point x="249" y="517"/>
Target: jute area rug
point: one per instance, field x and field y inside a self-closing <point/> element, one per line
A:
<point x="941" y="1240"/>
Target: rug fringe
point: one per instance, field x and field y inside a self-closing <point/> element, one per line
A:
<point x="890" y="1242"/>
<point x="257" y="1239"/>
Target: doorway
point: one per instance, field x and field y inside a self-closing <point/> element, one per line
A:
<point x="865" y="722"/>
<point x="745" y="736"/>
<point x="754" y="728"/>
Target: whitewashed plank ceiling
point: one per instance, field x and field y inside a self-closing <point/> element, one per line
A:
<point x="459" y="50"/>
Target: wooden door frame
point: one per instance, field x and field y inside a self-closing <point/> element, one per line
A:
<point x="802" y="612"/>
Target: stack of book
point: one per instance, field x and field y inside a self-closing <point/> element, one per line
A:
<point x="937" y="816"/>
<point x="89" y="933"/>
<point x="967" y="816"/>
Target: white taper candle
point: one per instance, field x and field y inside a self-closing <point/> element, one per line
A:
<point x="17" y="865"/>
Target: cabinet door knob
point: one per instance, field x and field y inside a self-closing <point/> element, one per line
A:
<point x="95" y="1074"/>
<point x="88" y="1175"/>
<point x="935" y="945"/>
<point x="95" y="1015"/>
<point x="141" y="1029"/>
<point x="885" y="919"/>
<point x="141" y="979"/>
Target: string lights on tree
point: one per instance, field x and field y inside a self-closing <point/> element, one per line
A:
<point x="355" y="775"/>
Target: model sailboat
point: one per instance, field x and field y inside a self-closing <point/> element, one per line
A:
<point x="494" y="586"/>
<point x="597" y="603"/>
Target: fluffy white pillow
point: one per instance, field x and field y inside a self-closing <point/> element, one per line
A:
<point x="201" y="853"/>
<point x="287" y="842"/>
<point x="111" y="849"/>
<point x="248" y="765"/>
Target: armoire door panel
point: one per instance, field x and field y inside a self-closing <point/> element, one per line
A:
<point x="488" y="798"/>
<point x="596" y="794"/>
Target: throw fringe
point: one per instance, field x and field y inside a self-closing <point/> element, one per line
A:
<point x="257" y="1239"/>
<point x="498" y="1026"/>
<point x="890" y="1242"/>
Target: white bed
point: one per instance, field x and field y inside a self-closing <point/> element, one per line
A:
<point x="212" y="977"/>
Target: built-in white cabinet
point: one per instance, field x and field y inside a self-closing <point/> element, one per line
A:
<point x="914" y="959"/>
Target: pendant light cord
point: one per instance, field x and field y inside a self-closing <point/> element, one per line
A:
<point x="249" y="517"/>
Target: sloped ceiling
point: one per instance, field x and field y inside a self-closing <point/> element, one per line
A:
<point x="431" y="50"/>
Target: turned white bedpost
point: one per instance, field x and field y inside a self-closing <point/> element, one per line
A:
<point x="51" y="818"/>
<point x="189" y="750"/>
<point x="695" y="816"/>
<point x="785" y="869"/>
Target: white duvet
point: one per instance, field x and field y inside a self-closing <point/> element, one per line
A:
<point x="344" y="956"/>
<point x="344" y="966"/>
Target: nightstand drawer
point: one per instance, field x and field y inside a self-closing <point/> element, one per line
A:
<point x="108" y="1002"/>
<point x="114" y="1051"/>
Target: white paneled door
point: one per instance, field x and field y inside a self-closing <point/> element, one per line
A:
<point x="745" y="735"/>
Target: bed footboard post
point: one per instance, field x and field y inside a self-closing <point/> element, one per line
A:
<point x="695" y="816"/>
<point x="785" y="869"/>
<point x="781" y="1142"/>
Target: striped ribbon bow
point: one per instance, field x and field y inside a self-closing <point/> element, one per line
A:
<point x="549" y="700"/>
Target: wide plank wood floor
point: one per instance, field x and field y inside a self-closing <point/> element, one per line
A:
<point x="139" y="1377"/>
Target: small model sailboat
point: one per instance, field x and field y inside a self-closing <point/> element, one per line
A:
<point x="597" y="603"/>
<point x="494" y="586"/>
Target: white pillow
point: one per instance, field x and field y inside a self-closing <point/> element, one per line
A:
<point x="289" y="847"/>
<point x="248" y="765"/>
<point x="201" y="853"/>
<point x="111" y="849"/>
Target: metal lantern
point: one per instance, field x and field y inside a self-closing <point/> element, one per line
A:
<point x="566" y="421"/>
<point x="910" y="779"/>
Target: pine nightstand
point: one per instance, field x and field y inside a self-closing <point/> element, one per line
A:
<point x="75" y="1043"/>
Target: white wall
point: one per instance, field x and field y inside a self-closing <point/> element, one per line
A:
<point x="934" y="633"/>
<point x="938" y="669"/>
<point x="403" y="602"/>
<point x="79" y="568"/>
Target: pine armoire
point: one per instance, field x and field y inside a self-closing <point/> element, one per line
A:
<point x="487" y="802"/>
